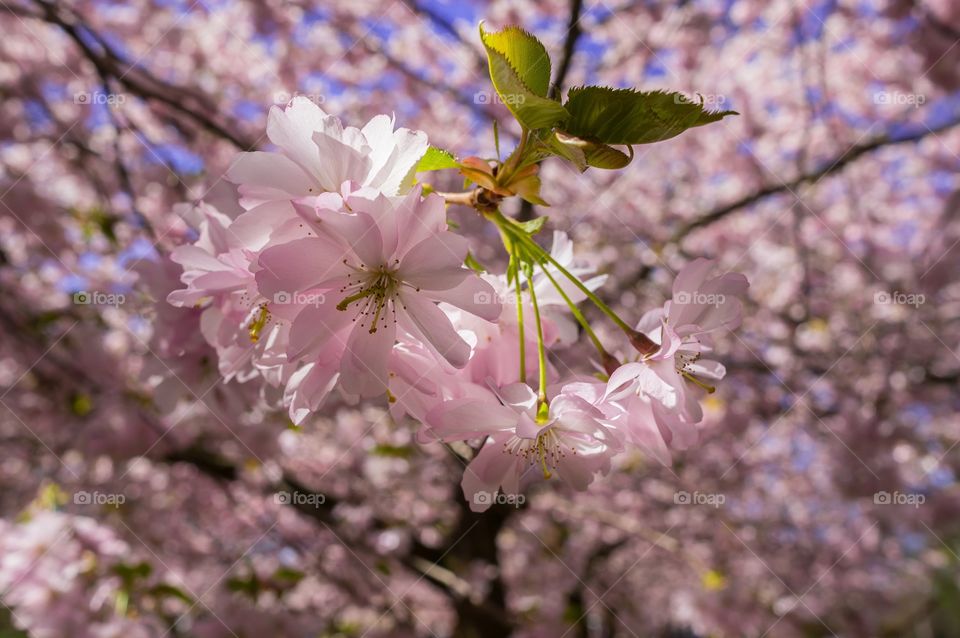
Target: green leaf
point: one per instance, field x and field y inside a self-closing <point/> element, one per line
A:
<point x="248" y="585"/>
<point x="288" y="574"/>
<point x="436" y="159"/>
<point x="166" y="590"/>
<point x="583" y="153"/>
<point x="129" y="573"/>
<point x="471" y="262"/>
<point x="604" y="156"/>
<point x="81" y="405"/>
<point x="395" y="451"/>
<point x="533" y="226"/>
<point x="568" y="147"/>
<point x="529" y="190"/>
<point x="520" y="72"/>
<point x="626" y="116"/>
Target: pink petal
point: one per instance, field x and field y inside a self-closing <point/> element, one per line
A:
<point x="307" y="389"/>
<point x="436" y="263"/>
<point x="385" y="214"/>
<point x="462" y="419"/>
<point x="298" y="265"/>
<point x="363" y="370"/>
<point x="196" y="258"/>
<point x="313" y="327"/>
<point x="435" y="328"/>
<point x="519" y="396"/>
<point x="473" y="295"/>
<point x="253" y="228"/>
<point x="358" y="233"/>
<point x="622" y="380"/>
<point x="419" y="218"/>
<point x="489" y="469"/>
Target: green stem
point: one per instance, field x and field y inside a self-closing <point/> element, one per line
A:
<point x="576" y="313"/>
<point x="523" y="340"/>
<point x="540" y="252"/>
<point x="510" y="245"/>
<point x="543" y="410"/>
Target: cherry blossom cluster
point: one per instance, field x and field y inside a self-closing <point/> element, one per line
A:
<point x="343" y="277"/>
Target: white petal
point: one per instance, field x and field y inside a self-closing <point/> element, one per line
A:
<point x="292" y="129"/>
<point x="271" y="170"/>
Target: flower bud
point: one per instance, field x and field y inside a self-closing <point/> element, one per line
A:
<point x="643" y="344"/>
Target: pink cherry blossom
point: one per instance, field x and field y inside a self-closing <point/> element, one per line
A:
<point x="382" y="265"/>
<point x="235" y="318"/>
<point x="574" y="444"/>
<point x="318" y="153"/>
<point x="672" y="379"/>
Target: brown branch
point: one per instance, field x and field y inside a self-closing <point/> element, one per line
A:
<point x="136" y="79"/>
<point x="830" y="167"/>
<point x="569" y="47"/>
<point x="474" y="538"/>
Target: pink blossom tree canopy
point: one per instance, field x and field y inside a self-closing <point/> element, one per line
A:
<point x="358" y="319"/>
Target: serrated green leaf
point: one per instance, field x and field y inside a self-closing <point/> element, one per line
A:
<point x="520" y="72"/>
<point x="525" y="53"/>
<point x="628" y="116"/>
<point x="436" y="159"/>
